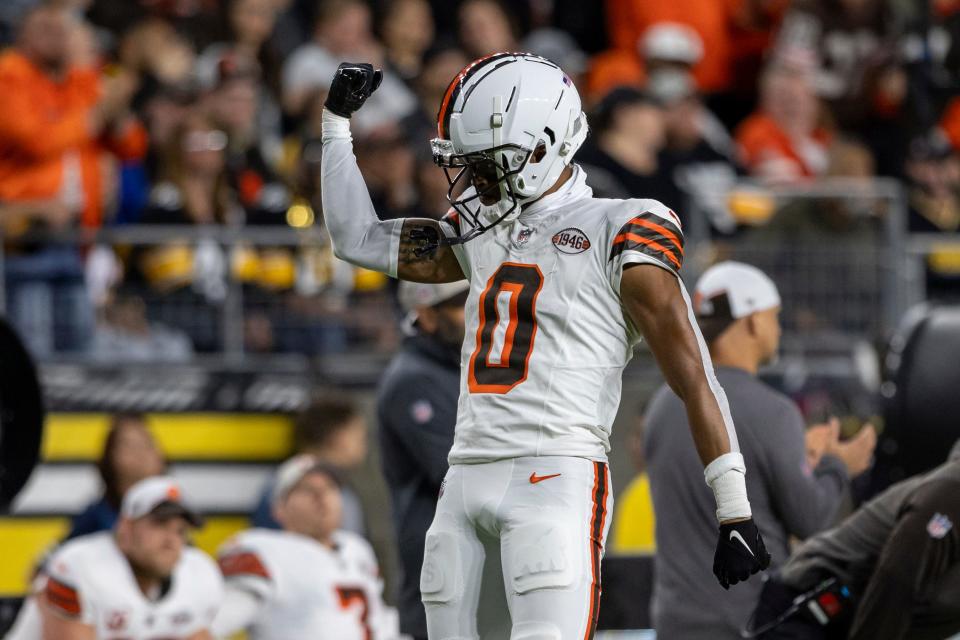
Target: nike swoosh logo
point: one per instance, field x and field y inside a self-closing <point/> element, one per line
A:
<point x="735" y="535"/>
<point x="534" y="478"/>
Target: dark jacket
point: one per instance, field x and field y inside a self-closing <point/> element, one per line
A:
<point x="899" y="554"/>
<point x="417" y="411"/>
<point x="98" y="516"/>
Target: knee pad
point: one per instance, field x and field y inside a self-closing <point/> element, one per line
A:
<point x="535" y="631"/>
<point x="542" y="556"/>
<point x="440" y="575"/>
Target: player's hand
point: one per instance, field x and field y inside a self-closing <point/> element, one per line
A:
<point x="352" y="85"/>
<point x="740" y="553"/>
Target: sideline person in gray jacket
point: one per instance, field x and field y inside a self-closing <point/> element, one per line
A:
<point x="417" y="412"/>
<point x="795" y="482"/>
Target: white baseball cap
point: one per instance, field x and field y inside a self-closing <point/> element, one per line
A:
<point x="294" y="470"/>
<point x="672" y="42"/>
<point x="159" y="496"/>
<point x="728" y="291"/>
<point x="417" y="295"/>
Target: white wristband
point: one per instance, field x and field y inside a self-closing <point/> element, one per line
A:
<point x="334" y="127"/>
<point x="726" y="476"/>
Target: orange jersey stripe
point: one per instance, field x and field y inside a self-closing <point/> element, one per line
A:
<point x="243" y="563"/>
<point x="623" y="237"/>
<point x="588" y="633"/>
<point x="659" y="229"/>
<point x="63" y="597"/>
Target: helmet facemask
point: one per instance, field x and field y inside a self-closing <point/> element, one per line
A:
<point x="491" y="173"/>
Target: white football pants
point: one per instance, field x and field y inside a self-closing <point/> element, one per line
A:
<point x="545" y="519"/>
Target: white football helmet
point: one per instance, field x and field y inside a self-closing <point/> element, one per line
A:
<point x="515" y="121"/>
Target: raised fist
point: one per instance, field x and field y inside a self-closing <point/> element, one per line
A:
<point x="352" y="85"/>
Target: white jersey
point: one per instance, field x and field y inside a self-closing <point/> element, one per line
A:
<point x="89" y="579"/>
<point x="307" y="589"/>
<point x="546" y="336"/>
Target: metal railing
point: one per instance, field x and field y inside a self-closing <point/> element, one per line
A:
<point x="851" y="281"/>
<point x="233" y="278"/>
<point x="836" y="249"/>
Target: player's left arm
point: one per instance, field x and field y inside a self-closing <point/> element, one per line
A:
<point x="203" y="634"/>
<point x="655" y="300"/>
<point x="56" y="627"/>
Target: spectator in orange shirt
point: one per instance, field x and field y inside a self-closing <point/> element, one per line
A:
<point x="664" y="46"/>
<point x="951" y="123"/>
<point x="783" y="141"/>
<point x="59" y="114"/>
<point x="628" y="20"/>
<point x="56" y="120"/>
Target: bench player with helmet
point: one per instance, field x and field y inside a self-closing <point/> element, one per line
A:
<point x="562" y="286"/>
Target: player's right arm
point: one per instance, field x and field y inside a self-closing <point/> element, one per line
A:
<point x="248" y="584"/>
<point x="239" y="610"/>
<point x="393" y="247"/>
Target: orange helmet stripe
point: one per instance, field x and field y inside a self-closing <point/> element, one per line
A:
<point x="450" y="95"/>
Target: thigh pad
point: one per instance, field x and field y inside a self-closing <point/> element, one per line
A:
<point x="541" y="555"/>
<point x="441" y="575"/>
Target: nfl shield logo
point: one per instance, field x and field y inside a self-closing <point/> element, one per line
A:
<point x="523" y="236"/>
<point x="939" y="526"/>
<point x="421" y="411"/>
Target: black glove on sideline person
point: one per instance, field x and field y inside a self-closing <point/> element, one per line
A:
<point x="352" y="85"/>
<point x="740" y="553"/>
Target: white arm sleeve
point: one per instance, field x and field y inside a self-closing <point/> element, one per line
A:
<point x="238" y="611"/>
<point x="712" y="381"/>
<point x="358" y="236"/>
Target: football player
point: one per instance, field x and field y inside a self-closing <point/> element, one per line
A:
<point x="137" y="582"/>
<point x="562" y="286"/>
<point x="309" y="580"/>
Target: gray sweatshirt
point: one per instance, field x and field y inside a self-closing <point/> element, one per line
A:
<point x="786" y="496"/>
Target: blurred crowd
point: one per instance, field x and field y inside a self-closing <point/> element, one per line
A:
<point x="206" y="114"/>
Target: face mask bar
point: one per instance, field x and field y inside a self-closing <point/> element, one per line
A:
<point x="445" y="158"/>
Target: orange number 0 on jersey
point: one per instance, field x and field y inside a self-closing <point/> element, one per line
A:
<point x="349" y="595"/>
<point x="504" y="344"/>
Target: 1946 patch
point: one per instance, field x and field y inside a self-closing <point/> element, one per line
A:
<point x="571" y="240"/>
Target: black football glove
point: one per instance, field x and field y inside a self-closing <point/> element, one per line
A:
<point x="352" y="85"/>
<point x="740" y="553"/>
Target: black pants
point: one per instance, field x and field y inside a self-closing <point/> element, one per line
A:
<point x="775" y="598"/>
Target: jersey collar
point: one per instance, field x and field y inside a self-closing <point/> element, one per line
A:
<point x="574" y="189"/>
